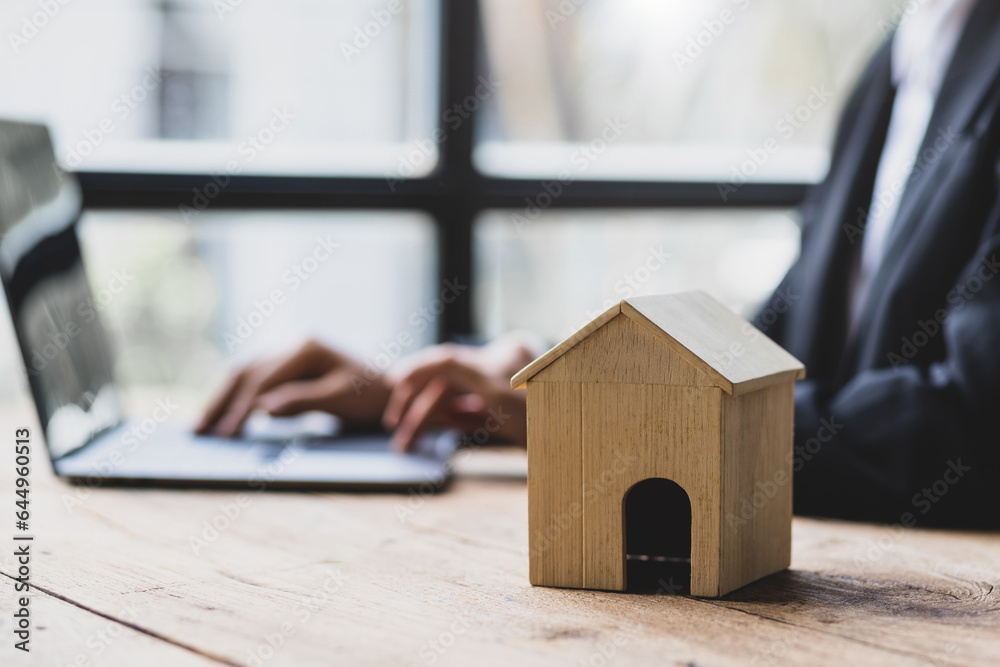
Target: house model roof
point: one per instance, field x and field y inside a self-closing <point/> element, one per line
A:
<point x="735" y="355"/>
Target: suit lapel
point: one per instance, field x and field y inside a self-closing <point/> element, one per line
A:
<point x="848" y="189"/>
<point x="972" y="71"/>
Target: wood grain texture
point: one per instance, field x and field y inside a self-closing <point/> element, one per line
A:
<point x="727" y="349"/>
<point x="621" y="351"/>
<point x="65" y="634"/>
<point x="460" y="559"/>
<point x="741" y="357"/>
<point x="555" y="492"/>
<point x="451" y="571"/>
<point x="634" y="432"/>
<point x="723" y="453"/>
<point x="757" y="484"/>
<point x="536" y="366"/>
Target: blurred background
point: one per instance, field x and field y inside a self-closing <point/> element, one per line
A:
<point x="476" y="167"/>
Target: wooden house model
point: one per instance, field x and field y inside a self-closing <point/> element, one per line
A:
<point x="675" y="387"/>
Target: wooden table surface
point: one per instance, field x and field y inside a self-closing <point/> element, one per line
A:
<point x="385" y="579"/>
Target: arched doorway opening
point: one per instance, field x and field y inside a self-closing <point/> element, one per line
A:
<point x="657" y="537"/>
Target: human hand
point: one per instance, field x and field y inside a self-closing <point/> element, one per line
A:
<point x="313" y="377"/>
<point x="461" y="387"/>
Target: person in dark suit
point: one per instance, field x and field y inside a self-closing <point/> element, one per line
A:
<point x="893" y="304"/>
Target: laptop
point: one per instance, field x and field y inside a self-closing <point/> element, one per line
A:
<point x="69" y="364"/>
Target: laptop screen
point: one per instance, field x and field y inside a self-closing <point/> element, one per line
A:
<point x="62" y="341"/>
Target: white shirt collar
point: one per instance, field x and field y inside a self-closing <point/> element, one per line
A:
<point x="925" y="41"/>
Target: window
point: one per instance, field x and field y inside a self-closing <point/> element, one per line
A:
<point x="677" y="90"/>
<point x="188" y="86"/>
<point x="532" y="153"/>
<point x="562" y="270"/>
<point x="186" y="301"/>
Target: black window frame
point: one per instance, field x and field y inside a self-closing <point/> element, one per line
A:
<point x="453" y="195"/>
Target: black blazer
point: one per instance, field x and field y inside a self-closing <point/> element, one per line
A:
<point x="902" y="425"/>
